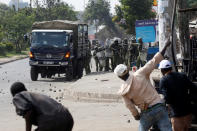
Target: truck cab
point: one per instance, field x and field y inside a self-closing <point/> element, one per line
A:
<point x="58" y="47"/>
<point x="49" y="52"/>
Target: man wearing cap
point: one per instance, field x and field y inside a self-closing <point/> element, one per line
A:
<point x="137" y="90"/>
<point x="176" y="87"/>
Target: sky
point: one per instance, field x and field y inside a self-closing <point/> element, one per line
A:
<point x="77" y="4"/>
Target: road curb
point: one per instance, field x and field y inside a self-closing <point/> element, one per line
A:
<point x="12" y="60"/>
<point x="91" y="97"/>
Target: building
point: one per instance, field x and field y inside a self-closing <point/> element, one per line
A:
<point x="17" y="3"/>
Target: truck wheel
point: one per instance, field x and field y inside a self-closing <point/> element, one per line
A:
<point x="34" y="74"/>
<point x="69" y="74"/>
<point x="80" y="69"/>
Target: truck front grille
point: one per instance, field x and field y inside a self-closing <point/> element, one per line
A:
<point x="39" y="56"/>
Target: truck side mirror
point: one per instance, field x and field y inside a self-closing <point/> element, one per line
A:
<point x="25" y="37"/>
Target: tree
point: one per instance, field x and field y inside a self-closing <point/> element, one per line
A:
<point x="119" y="14"/>
<point x="62" y="11"/>
<point x="3" y="9"/>
<point x="192" y="3"/>
<point x="98" y="12"/>
<point x="15" y="24"/>
<point x="59" y="10"/>
<point x="133" y="10"/>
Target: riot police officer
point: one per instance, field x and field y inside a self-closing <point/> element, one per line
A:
<point x="108" y="55"/>
<point x="95" y="56"/>
<point x="88" y="59"/>
<point x="141" y="60"/>
<point x="115" y="47"/>
<point x="125" y="55"/>
<point x="101" y="57"/>
<point x="133" y="53"/>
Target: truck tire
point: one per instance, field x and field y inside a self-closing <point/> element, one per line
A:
<point x="69" y="73"/>
<point x="34" y="74"/>
<point x="80" y="69"/>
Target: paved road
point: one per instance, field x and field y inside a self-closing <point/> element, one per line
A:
<point x="88" y="116"/>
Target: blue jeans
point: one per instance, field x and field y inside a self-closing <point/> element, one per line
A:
<point x="157" y="116"/>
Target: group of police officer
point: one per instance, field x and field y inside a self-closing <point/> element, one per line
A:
<point x="116" y="51"/>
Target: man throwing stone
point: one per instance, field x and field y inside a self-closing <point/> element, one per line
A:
<point x="137" y="90"/>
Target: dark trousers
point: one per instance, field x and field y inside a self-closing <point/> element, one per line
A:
<point x="62" y="121"/>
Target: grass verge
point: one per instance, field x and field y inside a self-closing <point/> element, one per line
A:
<point x="13" y="53"/>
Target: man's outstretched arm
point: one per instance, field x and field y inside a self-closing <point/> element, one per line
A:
<point x="163" y="51"/>
<point x="150" y="65"/>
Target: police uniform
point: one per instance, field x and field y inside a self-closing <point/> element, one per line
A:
<point x="95" y="57"/>
<point x="133" y="53"/>
<point x="101" y="58"/>
<point x="108" y="55"/>
<point x="88" y="59"/>
<point x="115" y="47"/>
<point x="141" y="60"/>
<point x="125" y="54"/>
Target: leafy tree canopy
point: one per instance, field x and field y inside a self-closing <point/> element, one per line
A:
<point x="192" y="3"/>
<point x="98" y="12"/>
<point x="131" y="10"/>
<point x="14" y="24"/>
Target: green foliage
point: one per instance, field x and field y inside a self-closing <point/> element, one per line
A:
<point x="98" y="12"/>
<point x="119" y="14"/>
<point x="132" y="10"/>
<point x="1" y="34"/>
<point x="64" y="11"/>
<point x="2" y="49"/>
<point x="15" y="24"/>
<point x="61" y="11"/>
<point x="9" y="46"/>
<point x="192" y="3"/>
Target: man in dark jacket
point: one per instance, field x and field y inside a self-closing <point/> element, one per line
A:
<point x="40" y="110"/>
<point x="176" y="87"/>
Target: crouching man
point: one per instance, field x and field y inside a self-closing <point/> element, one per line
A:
<point x="137" y="90"/>
<point x="40" y="110"/>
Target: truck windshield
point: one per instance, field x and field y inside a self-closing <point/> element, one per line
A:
<point x="55" y="39"/>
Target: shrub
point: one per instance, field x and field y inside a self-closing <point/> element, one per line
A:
<point x="2" y="49"/>
<point x="9" y="46"/>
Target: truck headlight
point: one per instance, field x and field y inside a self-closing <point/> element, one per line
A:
<point x="67" y="55"/>
<point x="31" y="54"/>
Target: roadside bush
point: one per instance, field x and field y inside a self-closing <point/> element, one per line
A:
<point x="2" y="49"/>
<point x="9" y="46"/>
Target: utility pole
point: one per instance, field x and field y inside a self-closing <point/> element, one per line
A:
<point x="165" y="9"/>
